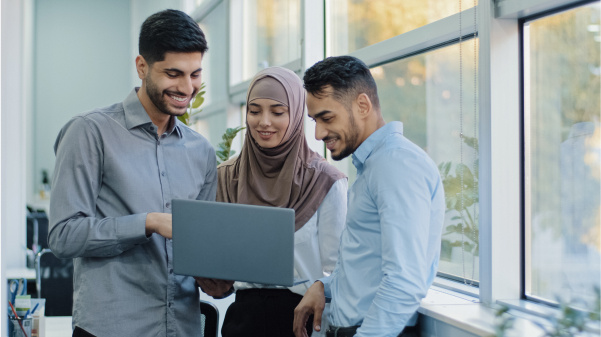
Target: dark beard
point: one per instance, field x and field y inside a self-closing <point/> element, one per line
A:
<point x="156" y="98"/>
<point x="351" y="143"/>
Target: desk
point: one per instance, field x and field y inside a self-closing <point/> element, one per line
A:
<point x="26" y="273"/>
<point x="57" y="326"/>
<point x="16" y="273"/>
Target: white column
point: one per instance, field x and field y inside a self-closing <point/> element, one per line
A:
<point x="312" y="30"/>
<point x="14" y="25"/>
<point x="499" y="156"/>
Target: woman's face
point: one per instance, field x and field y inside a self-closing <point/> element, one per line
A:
<point x="268" y="121"/>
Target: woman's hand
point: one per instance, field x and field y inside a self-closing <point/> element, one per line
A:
<point x="214" y="287"/>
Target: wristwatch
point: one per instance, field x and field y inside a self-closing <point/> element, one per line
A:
<point x="227" y="293"/>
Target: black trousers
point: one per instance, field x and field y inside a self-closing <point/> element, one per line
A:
<point x="79" y="332"/>
<point x="262" y="312"/>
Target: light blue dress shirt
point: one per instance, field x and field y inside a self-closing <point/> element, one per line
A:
<point x="390" y="248"/>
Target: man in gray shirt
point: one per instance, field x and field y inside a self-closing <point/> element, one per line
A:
<point x="117" y="170"/>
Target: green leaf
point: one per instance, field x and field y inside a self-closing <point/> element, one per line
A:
<point x="194" y="104"/>
<point x="184" y="118"/>
<point x="471" y="142"/>
<point x="198" y="102"/>
<point x="444" y="169"/>
<point x="225" y="151"/>
<point x="456" y="244"/>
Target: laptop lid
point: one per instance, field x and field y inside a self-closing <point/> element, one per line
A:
<point x="233" y="241"/>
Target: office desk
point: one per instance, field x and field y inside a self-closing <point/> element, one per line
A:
<point x="58" y="326"/>
<point x="26" y="273"/>
<point x="17" y="273"/>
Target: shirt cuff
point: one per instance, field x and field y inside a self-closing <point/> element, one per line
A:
<point x="326" y="286"/>
<point x="131" y="229"/>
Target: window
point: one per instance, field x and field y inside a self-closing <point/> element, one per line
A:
<point x="423" y="92"/>
<point x="562" y="151"/>
<point x="213" y="67"/>
<point x="415" y="52"/>
<point x="264" y="33"/>
<point x="212" y="127"/>
<point x="212" y="121"/>
<point x="355" y="24"/>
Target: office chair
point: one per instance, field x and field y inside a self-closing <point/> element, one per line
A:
<point x="209" y="319"/>
<point x="54" y="282"/>
<point x="37" y="230"/>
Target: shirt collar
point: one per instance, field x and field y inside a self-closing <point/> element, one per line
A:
<point x="374" y="140"/>
<point x="136" y="116"/>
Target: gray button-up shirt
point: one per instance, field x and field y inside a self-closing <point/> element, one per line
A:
<point x="111" y="170"/>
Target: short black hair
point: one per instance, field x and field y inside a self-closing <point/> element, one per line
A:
<point x="170" y="31"/>
<point x="347" y="75"/>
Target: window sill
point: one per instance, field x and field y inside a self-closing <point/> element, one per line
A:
<point x="458" y="310"/>
<point x="467" y="314"/>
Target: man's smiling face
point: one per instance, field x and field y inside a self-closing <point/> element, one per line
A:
<point x="172" y="83"/>
<point x="334" y="124"/>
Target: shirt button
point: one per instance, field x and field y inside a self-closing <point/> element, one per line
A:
<point x="169" y="304"/>
<point x="151" y="128"/>
<point x="158" y="142"/>
<point x="168" y="205"/>
<point x="163" y="173"/>
<point x="171" y="271"/>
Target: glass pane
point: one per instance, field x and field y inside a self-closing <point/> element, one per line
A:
<point x="563" y="148"/>
<point x="423" y="92"/>
<point x="213" y="66"/>
<point x="212" y="127"/>
<point x="264" y="33"/>
<point x="188" y="6"/>
<point x="355" y="24"/>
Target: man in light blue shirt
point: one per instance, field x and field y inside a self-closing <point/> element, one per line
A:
<point x="390" y="248"/>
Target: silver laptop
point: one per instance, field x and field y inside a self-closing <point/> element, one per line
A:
<point x="233" y="241"/>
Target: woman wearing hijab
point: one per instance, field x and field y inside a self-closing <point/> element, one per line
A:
<point x="277" y="168"/>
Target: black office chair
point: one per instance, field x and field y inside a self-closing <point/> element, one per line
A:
<point x="37" y="230"/>
<point x="54" y="282"/>
<point x="209" y="319"/>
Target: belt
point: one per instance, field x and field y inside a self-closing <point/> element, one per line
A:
<point x="338" y="331"/>
<point x="264" y="293"/>
<point x="350" y="331"/>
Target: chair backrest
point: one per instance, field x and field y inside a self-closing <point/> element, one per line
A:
<point x="209" y="318"/>
<point x="54" y="282"/>
<point x="37" y="230"/>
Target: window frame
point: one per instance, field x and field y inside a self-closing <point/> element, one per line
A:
<point x="545" y="11"/>
<point x="422" y="40"/>
<point x="238" y="87"/>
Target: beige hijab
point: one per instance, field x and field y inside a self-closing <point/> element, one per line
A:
<point x="289" y="175"/>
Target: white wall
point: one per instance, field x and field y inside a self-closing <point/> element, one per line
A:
<point x="140" y="10"/>
<point x="84" y="58"/>
<point x="13" y="139"/>
<point x="81" y="62"/>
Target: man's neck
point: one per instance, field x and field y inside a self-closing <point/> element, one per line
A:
<point x="372" y="125"/>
